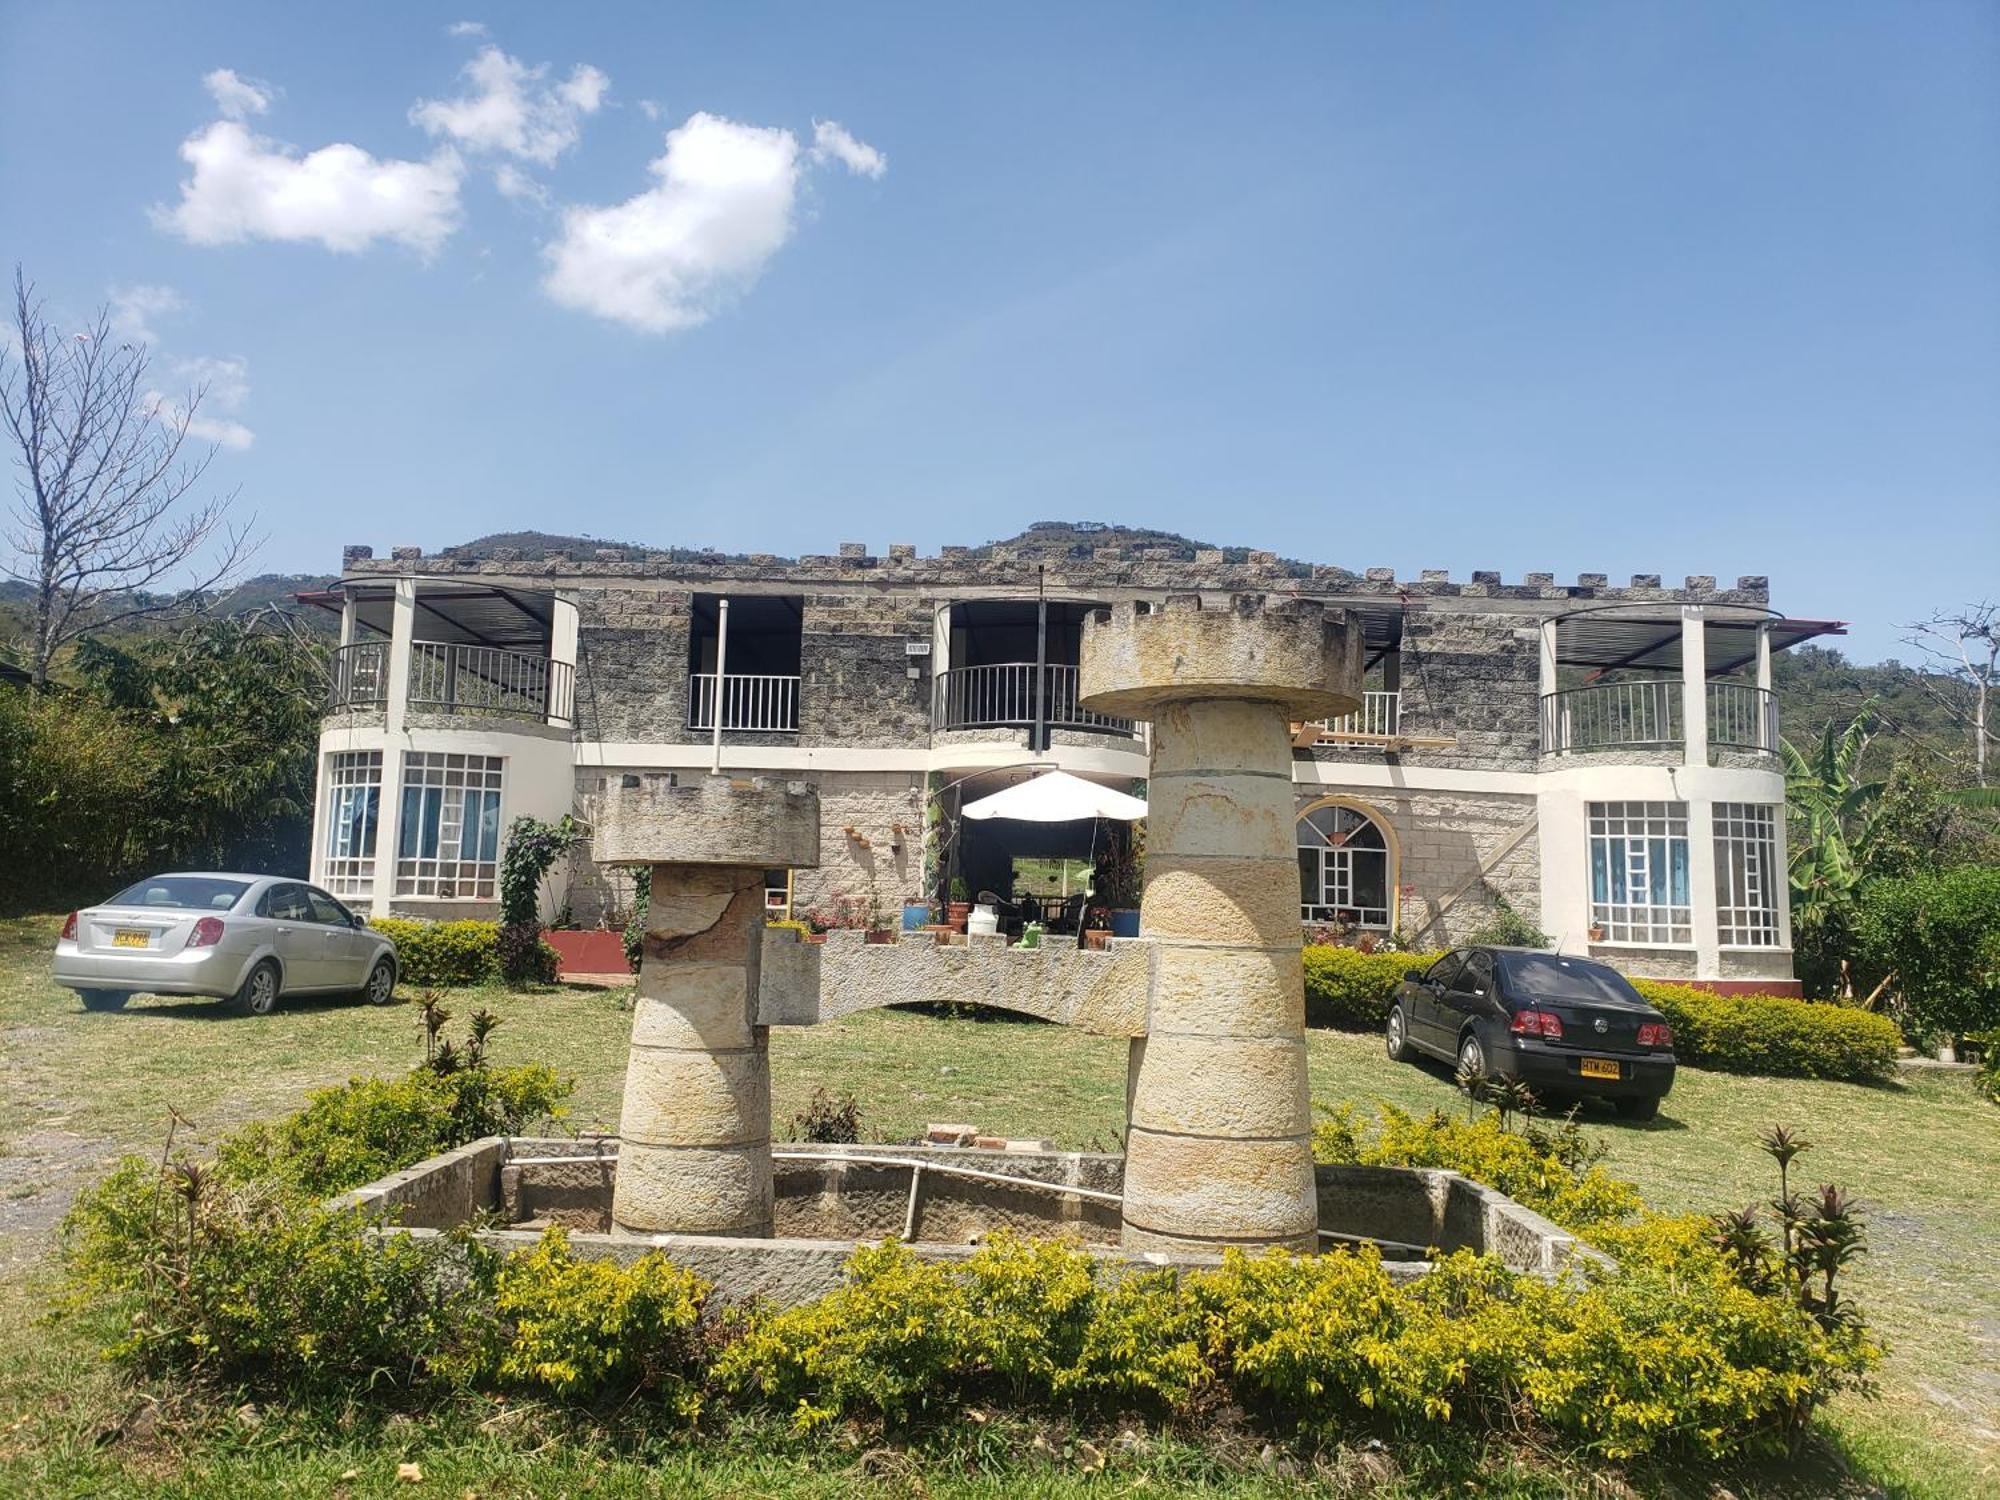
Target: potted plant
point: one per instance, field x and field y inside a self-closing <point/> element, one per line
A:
<point x="1097" y="927"/>
<point x="1597" y="932"/>
<point x="1119" y="878"/>
<point x="1031" y="935"/>
<point x="959" y="908"/>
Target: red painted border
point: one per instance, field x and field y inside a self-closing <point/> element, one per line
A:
<point x="594" y="951"/>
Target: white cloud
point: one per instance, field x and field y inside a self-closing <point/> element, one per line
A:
<point x="224" y="385"/>
<point x="832" y="142"/>
<point x="667" y="258"/>
<point x="518" y="185"/>
<point x="650" y="109"/>
<point x="466" y="28"/>
<point x="509" y="108"/>
<point x="133" y="309"/>
<point x="246" y="187"/>
<point x="237" y="97"/>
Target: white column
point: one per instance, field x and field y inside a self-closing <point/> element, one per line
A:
<point x="1694" y="684"/>
<point x="347" y="618"/>
<point x="402" y="631"/>
<point x="1707" y="930"/>
<point x="562" y="648"/>
<point x="1767" y="712"/>
<point x="1545" y="708"/>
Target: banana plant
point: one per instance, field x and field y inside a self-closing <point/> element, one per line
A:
<point x="1832" y="814"/>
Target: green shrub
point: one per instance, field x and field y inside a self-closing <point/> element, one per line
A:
<point x="367" y="1128"/>
<point x="635" y="924"/>
<point x="1774" y="1034"/>
<point x="1351" y="990"/>
<point x="256" y="1282"/>
<point x="1936" y="936"/>
<point x="587" y="1327"/>
<point x="443" y="953"/>
<point x="1554" y="1171"/>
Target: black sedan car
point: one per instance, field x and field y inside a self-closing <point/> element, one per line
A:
<point x="1567" y="1027"/>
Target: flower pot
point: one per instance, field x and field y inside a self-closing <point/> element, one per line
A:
<point x="956" y="913"/>
<point x="915" y="914"/>
<point x="879" y="935"/>
<point x="1597" y="932"/>
<point x="1124" y="921"/>
<point x="1097" y="938"/>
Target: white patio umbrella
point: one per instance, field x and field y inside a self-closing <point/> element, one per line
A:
<point x="1056" y="797"/>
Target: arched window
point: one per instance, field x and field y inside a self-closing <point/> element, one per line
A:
<point x="1344" y="873"/>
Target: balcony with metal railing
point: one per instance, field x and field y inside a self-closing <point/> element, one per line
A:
<point x="1646" y="714"/>
<point x="451" y="678"/>
<point x="1378" y="718"/>
<point x="1006" y="696"/>
<point x="753" y="703"/>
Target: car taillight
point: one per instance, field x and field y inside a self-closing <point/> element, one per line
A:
<point x="1656" y="1034"/>
<point x="207" y="933"/>
<point x="1536" y="1023"/>
<point x="69" y="928"/>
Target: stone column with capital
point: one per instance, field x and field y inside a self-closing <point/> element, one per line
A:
<point x="694" y="1152"/>
<point x="1218" y="1148"/>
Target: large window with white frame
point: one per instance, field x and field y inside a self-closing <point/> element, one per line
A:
<point x="449" y="832"/>
<point x="1747" y="874"/>
<point x="1639" y="872"/>
<point x="353" y="814"/>
<point x="1344" y="874"/>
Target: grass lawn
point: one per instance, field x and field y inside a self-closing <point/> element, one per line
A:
<point x="78" y="1089"/>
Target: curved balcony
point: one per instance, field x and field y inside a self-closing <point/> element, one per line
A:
<point x="358" y="677"/>
<point x="448" y="678"/>
<point x="1004" y="696"/>
<point x="1646" y="715"/>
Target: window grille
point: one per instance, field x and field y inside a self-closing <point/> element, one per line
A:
<point x="449" y="842"/>
<point x="1746" y="874"/>
<point x="1639" y="872"/>
<point x="354" y="806"/>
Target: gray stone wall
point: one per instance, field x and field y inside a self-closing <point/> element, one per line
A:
<point x="631" y="670"/>
<point x="857" y="689"/>
<point x="1445" y="839"/>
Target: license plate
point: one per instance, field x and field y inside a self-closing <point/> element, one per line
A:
<point x="1600" y="1067"/>
<point x="131" y="937"/>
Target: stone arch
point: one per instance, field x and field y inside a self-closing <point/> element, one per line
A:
<point x="1322" y="816"/>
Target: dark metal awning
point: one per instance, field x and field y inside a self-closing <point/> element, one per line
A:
<point x="1606" y="640"/>
<point x="479" y="614"/>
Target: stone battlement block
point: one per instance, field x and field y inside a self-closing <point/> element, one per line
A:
<point x="718" y="820"/>
<point x="1292" y="652"/>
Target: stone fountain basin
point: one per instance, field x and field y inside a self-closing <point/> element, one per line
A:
<point x="824" y="1208"/>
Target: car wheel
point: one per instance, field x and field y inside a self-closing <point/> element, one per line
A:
<point x="259" y="995"/>
<point x="1647" y="1108"/>
<point x="381" y="986"/>
<point x="1397" y="1035"/>
<point x="104" y="999"/>
<point x="1472" y="1057"/>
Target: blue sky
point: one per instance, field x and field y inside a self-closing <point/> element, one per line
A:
<point x="1619" y="288"/>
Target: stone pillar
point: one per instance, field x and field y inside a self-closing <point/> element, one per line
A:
<point x="1217" y="1146"/>
<point x="695" y="1135"/>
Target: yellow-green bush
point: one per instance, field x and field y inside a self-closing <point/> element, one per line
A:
<point x="1351" y="990"/>
<point x="582" y="1327"/>
<point x="1553" y="1171"/>
<point x="444" y="954"/>
<point x="1774" y="1034"/>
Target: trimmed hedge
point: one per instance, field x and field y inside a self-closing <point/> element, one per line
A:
<point x="1772" y="1034"/>
<point x="443" y="953"/>
<point x="1775" y="1034"/>
<point x="1350" y="990"/>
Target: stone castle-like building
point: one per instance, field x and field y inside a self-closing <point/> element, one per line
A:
<point x="1601" y="759"/>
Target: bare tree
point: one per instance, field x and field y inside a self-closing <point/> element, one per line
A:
<point x="104" y="510"/>
<point x="1966" y="643"/>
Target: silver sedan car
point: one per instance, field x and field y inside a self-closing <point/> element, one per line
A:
<point x="246" y="938"/>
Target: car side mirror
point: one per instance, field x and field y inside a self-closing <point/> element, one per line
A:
<point x="360" y="922"/>
<point x="1414" y="976"/>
